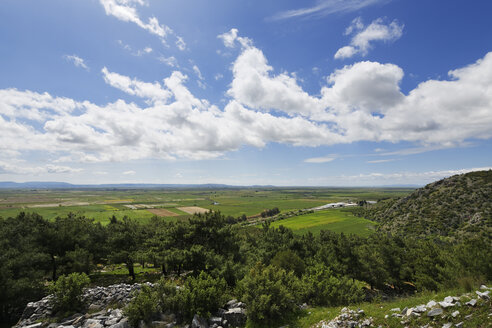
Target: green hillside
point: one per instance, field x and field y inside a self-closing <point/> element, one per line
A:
<point x="452" y="208"/>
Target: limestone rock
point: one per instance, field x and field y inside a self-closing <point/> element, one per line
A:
<point x="435" y="312"/>
<point x="235" y="316"/>
<point x="199" y="322"/>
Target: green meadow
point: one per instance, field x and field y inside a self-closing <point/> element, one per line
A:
<point x="336" y="220"/>
<point x="102" y="204"/>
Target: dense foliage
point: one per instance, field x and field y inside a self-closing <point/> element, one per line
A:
<point x="67" y="292"/>
<point x="272" y="270"/>
<point x="452" y="208"/>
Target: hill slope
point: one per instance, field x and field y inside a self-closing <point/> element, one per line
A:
<point x="454" y="207"/>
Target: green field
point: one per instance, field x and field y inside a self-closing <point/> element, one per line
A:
<point x="102" y="204"/>
<point x="336" y="220"/>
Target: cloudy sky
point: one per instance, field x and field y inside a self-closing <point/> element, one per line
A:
<point x="315" y="92"/>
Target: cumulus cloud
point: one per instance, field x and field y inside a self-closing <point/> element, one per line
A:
<point x="360" y="102"/>
<point x="327" y="7"/>
<point x="150" y="91"/>
<point x="254" y="85"/>
<point x="230" y="38"/>
<point x="364" y="37"/>
<point x="77" y="61"/>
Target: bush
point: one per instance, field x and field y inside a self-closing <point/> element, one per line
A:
<point x="67" y="292"/>
<point x="270" y="293"/>
<point x="322" y="287"/>
<point x="289" y="261"/>
<point x="203" y="295"/>
<point x="143" y="306"/>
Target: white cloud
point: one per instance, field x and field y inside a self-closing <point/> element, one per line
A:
<point x="361" y="102"/>
<point x="230" y="38"/>
<point x="403" y="177"/>
<point x="77" y="61"/>
<point x="363" y="38"/>
<point x="254" y="86"/>
<point x="169" y="61"/>
<point x="197" y="72"/>
<point x="50" y="168"/>
<point x="138" y="53"/>
<point x="180" y="43"/>
<point x="327" y="7"/>
<point x="376" y="161"/>
<point x="129" y="173"/>
<point x="151" y="91"/>
<point x="125" y="10"/>
<point x="15" y="166"/>
<point x="318" y="160"/>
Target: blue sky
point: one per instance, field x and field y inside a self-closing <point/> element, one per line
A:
<point x="319" y="92"/>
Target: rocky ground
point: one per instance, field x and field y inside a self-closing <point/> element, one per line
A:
<point x="105" y="310"/>
<point x="452" y="311"/>
<point x="106" y="304"/>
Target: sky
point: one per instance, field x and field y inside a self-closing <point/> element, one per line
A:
<point x="286" y="93"/>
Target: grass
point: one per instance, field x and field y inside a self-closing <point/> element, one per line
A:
<point x="116" y="274"/>
<point x="378" y="310"/>
<point x="336" y="220"/>
<point x="104" y="203"/>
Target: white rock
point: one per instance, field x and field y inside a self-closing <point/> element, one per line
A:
<point x="449" y="299"/>
<point x="431" y="304"/>
<point x="455" y="314"/>
<point x="445" y="305"/>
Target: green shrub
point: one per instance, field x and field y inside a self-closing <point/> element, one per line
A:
<point x="67" y="292"/>
<point x="289" y="261"/>
<point x="203" y="295"/>
<point x="143" y="306"/>
<point x="270" y="293"/>
<point x="322" y="287"/>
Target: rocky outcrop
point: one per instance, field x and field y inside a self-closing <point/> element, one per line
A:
<point x="105" y="310"/>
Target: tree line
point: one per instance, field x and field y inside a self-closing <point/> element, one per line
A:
<point x="271" y="269"/>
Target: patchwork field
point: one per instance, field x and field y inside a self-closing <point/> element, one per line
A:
<point x="178" y="204"/>
<point x="162" y="212"/>
<point x="193" y="209"/>
<point x="336" y="220"/>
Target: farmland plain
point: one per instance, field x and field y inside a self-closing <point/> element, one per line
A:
<point x="143" y="204"/>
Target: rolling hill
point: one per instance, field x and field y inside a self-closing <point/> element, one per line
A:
<point x="454" y="207"/>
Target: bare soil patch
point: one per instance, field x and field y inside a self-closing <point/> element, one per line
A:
<point x="193" y="209"/>
<point x="162" y="212"/>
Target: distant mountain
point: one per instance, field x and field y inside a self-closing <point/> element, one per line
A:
<point x="453" y="207"/>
